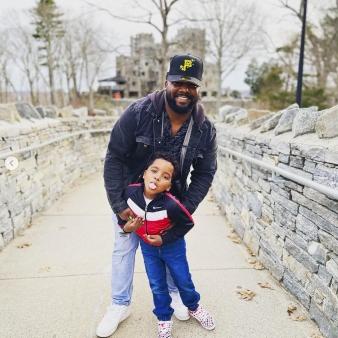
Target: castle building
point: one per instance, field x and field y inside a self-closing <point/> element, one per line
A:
<point x="138" y="74"/>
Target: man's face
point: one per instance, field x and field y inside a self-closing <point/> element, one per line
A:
<point x="182" y="97"/>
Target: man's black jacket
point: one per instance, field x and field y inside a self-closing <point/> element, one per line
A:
<point x="137" y="134"/>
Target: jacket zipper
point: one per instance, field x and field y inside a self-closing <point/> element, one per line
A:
<point x="145" y="217"/>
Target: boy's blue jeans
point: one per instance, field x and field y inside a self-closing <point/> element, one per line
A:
<point x="123" y="262"/>
<point x="174" y="256"/>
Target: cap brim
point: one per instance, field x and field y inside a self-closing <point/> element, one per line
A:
<point x="183" y="78"/>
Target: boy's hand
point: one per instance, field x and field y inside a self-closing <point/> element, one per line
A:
<point x="155" y="240"/>
<point x="126" y="214"/>
<point x="133" y="224"/>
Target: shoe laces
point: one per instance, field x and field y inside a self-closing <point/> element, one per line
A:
<point x="164" y="329"/>
<point x="113" y="311"/>
<point x="202" y="316"/>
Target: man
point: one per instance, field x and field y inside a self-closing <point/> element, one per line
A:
<point x="171" y="120"/>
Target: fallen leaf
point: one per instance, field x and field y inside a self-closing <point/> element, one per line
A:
<point x="46" y="268"/>
<point x="210" y="214"/>
<point x="232" y="230"/>
<point x="59" y="209"/>
<point x="235" y="239"/>
<point x="211" y="199"/>
<point x="30" y="224"/>
<point x="299" y="318"/>
<point x="251" y="260"/>
<point x="266" y="286"/>
<point x="24" y="245"/>
<point x="62" y="228"/>
<point x="250" y="252"/>
<point x="291" y="309"/>
<point x="217" y="207"/>
<point x="259" y="266"/>
<point x="246" y="294"/>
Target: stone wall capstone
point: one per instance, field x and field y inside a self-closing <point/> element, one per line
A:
<point x="48" y="172"/>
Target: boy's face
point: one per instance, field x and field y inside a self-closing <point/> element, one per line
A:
<point x="157" y="178"/>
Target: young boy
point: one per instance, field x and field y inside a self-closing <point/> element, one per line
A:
<point x="154" y="210"/>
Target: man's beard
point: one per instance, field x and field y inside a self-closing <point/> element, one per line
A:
<point x="179" y="109"/>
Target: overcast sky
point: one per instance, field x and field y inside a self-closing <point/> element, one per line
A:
<point x="280" y="25"/>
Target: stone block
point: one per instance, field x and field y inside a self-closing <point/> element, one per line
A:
<point x="297" y="239"/>
<point x="284" y="158"/>
<point x="327" y="124"/>
<point x="305" y="122"/>
<point x="294" y="287"/>
<point x="301" y="255"/>
<point x="280" y="146"/>
<point x="278" y="230"/>
<point x="7" y="236"/>
<point x="291" y="206"/>
<point x="328" y="241"/>
<point x="275" y="267"/>
<point x="320" y="210"/>
<point x="280" y="191"/>
<point x="307" y="228"/>
<point x="265" y="185"/>
<point x="271" y="123"/>
<point x="286" y="121"/>
<point x="256" y="123"/>
<point x="284" y="217"/>
<point x="320" y="222"/>
<point x="255" y="204"/>
<point x="296" y="162"/>
<point x="317" y="251"/>
<point x="331" y="156"/>
<point x="300" y="272"/>
<point x="324" y="275"/>
<point x="294" y="186"/>
<point x="319" y="317"/>
<point x="5" y="224"/>
<point x="309" y="166"/>
<point x="332" y="268"/>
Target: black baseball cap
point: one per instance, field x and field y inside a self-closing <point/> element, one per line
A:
<point x="186" y="68"/>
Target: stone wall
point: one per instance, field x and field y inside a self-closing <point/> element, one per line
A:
<point x="48" y="172"/>
<point x="291" y="229"/>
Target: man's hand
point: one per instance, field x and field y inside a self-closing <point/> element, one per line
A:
<point x="133" y="225"/>
<point x="126" y="215"/>
<point x="155" y="240"/>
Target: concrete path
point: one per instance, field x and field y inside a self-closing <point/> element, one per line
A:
<point x="59" y="284"/>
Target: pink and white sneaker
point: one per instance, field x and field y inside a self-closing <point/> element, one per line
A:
<point x="164" y="329"/>
<point x="204" y="317"/>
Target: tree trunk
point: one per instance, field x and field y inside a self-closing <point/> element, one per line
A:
<point x="91" y="98"/>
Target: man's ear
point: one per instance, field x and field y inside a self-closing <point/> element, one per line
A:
<point x="165" y="83"/>
<point x="168" y="187"/>
<point x="144" y="173"/>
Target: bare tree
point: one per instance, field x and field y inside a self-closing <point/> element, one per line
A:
<point x="234" y="28"/>
<point x="159" y="14"/>
<point x="6" y="66"/>
<point x="321" y="38"/>
<point x="94" y="53"/>
<point x="25" y="55"/>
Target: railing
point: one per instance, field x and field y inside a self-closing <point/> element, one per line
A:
<point x="294" y="177"/>
<point x="58" y="139"/>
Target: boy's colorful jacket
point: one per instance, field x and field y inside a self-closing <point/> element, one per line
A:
<point x="158" y="214"/>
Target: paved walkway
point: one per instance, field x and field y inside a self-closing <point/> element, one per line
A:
<point x="59" y="285"/>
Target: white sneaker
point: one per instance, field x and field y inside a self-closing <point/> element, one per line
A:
<point x="180" y="311"/>
<point x="164" y="329"/>
<point x="114" y="316"/>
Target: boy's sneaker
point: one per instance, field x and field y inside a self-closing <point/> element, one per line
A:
<point x="114" y="316"/>
<point x="204" y="317"/>
<point x="180" y="311"/>
<point x="164" y="329"/>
